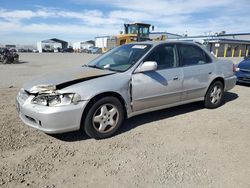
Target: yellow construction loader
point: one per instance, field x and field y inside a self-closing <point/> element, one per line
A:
<point x="132" y="33"/>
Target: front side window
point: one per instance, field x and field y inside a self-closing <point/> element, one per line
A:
<point x="192" y="55"/>
<point x="164" y="56"/>
<point x="121" y="58"/>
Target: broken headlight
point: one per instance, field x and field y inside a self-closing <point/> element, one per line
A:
<point x="56" y="99"/>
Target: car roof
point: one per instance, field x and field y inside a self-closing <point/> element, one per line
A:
<point x="155" y="43"/>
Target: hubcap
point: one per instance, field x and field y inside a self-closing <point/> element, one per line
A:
<point x="105" y="118"/>
<point x="215" y="94"/>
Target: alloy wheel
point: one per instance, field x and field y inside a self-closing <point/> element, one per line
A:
<point x="105" y="118"/>
<point x="215" y="94"/>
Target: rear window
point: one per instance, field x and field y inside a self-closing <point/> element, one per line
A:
<point x="192" y="55"/>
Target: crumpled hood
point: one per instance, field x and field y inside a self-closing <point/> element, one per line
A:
<point x="60" y="80"/>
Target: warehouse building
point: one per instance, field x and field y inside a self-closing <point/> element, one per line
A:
<point x="229" y="47"/>
<point x="224" y="45"/>
<point x="51" y="45"/>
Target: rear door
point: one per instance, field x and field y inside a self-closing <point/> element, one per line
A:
<point x="198" y="70"/>
<point x="162" y="86"/>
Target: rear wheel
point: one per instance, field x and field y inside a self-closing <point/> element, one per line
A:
<point x="104" y="118"/>
<point x="214" y="96"/>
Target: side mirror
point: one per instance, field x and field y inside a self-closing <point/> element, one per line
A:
<point x="147" y="66"/>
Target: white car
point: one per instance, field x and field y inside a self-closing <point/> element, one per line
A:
<point x="126" y="81"/>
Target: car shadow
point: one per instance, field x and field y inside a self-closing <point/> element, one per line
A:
<point x="16" y="62"/>
<point x="229" y="96"/>
<point x="20" y="62"/>
<point x="169" y="112"/>
<point x="142" y="119"/>
<point x="71" y="136"/>
<point x="243" y="84"/>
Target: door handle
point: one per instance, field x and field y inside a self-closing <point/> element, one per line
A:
<point x="210" y="73"/>
<point x="175" y="78"/>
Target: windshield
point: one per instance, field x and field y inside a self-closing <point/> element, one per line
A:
<point x="121" y="58"/>
<point x="132" y="29"/>
<point x="144" y="31"/>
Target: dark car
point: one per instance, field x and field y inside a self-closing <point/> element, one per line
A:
<point x="92" y="50"/>
<point x="243" y="71"/>
<point x="95" y="50"/>
<point x="69" y="50"/>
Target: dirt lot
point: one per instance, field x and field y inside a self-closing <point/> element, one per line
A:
<point x="185" y="146"/>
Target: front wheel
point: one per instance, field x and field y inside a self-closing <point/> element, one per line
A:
<point x="104" y="118"/>
<point x="214" y="96"/>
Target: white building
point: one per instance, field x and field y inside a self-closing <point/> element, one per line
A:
<point x="101" y="42"/>
<point x="82" y="45"/>
<point x="51" y="45"/>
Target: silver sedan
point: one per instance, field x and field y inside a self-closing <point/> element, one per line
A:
<point x="126" y="81"/>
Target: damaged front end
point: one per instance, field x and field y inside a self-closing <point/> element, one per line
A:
<point x="48" y="110"/>
<point x="47" y="95"/>
<point x="42" y="89"/>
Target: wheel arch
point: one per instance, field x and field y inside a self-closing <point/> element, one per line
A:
<point x="101" y="95"/>
<point x="215" y="80"/>
<point x="207" y="102"/>
<point x="218" y="79"/>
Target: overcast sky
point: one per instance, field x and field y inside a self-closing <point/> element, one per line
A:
<point x="28" y="21"/>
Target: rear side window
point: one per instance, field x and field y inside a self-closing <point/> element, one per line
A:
<point x="164" y="55"/>
<point x="192" y="55"/>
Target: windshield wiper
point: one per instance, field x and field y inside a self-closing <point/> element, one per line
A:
<point x="102" y="68"/>
<point x="93" y="66"/>
<point x="114" y="70"/>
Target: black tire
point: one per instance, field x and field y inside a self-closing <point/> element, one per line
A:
<point x="5" y="61"/>
<point x="12" y="60"/>
<point x="90" y="127"/>
<point x="212" y="101"/>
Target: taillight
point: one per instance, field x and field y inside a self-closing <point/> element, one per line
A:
<point x="234" y="68"/>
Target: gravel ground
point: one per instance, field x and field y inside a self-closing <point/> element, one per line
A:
<point x="185" y="146"/>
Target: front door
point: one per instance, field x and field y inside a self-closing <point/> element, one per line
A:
<point x="162" y="86"/>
